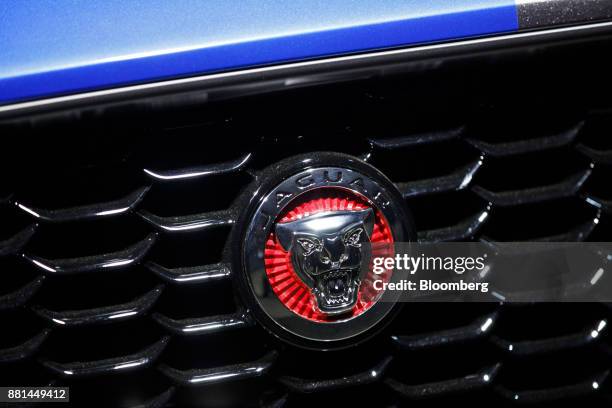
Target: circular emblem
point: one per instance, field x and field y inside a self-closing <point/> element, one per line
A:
<point x="308" y="233"/>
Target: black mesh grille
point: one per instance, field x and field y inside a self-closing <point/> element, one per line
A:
<point x="113" y="225"/>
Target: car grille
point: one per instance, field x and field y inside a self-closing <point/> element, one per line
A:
<point x="115" y="275"/>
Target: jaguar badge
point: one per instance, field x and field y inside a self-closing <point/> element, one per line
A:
<point x="308" y="232"/>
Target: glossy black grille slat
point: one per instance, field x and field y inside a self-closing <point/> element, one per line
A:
<point x="193" y="274"/>
<point x="205" y="325"/>
<point x="158" y="401"/>
<point x="418" y="139"/>
<point x="565" y="188"/>
<point x="117" y="259"/>
<point x="464" y="230"/>
<point x="107" y="314"/>
<point x="279" y="402"/>
<point x="479" y="329"/>
<point x="605" y="205"/>
<point x="85" y="212"/>
<point x="196" y="377"/>
<point x="192" y="222"/>
<point x="554" y="393"/>
<point x="22" y="295"/>
<point x="307" y="386"/>
<point x="16" y="242"/>
<point x="468" y="383"/>
<point x="578" y="234"/>
<point x="549" y="345"/>
<point x="134" y="361"/>
<point x="455" y="181"/>
<point x="529" y="145"/>
<point x="201" y="171"/>
<point x="598" y="156"/>
<point x="25" y="349"/>
<point x="574" y="290"/>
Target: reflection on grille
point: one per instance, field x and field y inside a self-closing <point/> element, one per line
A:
<point x="114" y="276"/>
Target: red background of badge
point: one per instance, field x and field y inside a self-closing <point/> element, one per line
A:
<point x="287" y="285"/>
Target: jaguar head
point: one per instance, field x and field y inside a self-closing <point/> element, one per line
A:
<point x="326" y="252"/>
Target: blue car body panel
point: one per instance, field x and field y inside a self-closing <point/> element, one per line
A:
<point x="52" y="47"/>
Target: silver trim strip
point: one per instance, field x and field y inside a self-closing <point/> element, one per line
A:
<point x="261" y="70"/>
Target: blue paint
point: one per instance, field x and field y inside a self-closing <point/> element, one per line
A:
<point x="53" y="47"/>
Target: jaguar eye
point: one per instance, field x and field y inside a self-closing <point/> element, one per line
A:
<point x="353" y="237"/>
<point x="307" y="245"/>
